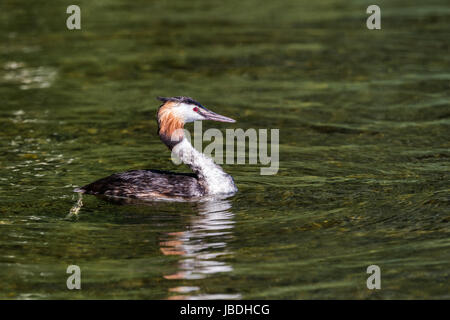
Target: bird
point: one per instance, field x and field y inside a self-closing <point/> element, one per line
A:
<point x="207" y="178"/>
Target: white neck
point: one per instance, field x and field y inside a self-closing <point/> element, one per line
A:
<point x="210" y="175"/>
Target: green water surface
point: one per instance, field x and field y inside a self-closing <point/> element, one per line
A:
<point x="364" y="120"/>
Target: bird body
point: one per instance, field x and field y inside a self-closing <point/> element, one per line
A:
<point x="207" y="179"/>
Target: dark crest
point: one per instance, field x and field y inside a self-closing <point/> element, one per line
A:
<point x="181" y="99"/>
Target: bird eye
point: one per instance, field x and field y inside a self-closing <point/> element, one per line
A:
<point x="195" y="109"/>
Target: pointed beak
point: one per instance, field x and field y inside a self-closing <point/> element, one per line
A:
<point x="209" y="115"/>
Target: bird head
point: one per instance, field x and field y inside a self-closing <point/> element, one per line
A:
<point x="176" y="111"/>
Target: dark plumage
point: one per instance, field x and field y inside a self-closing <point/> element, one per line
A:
<point x="181" y="99"/>
<point x="146" y="184"/>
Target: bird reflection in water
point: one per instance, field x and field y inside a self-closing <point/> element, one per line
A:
<point x="199" y="247"/>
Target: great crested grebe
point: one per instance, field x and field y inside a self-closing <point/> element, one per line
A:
<point x="208" y="178"/>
